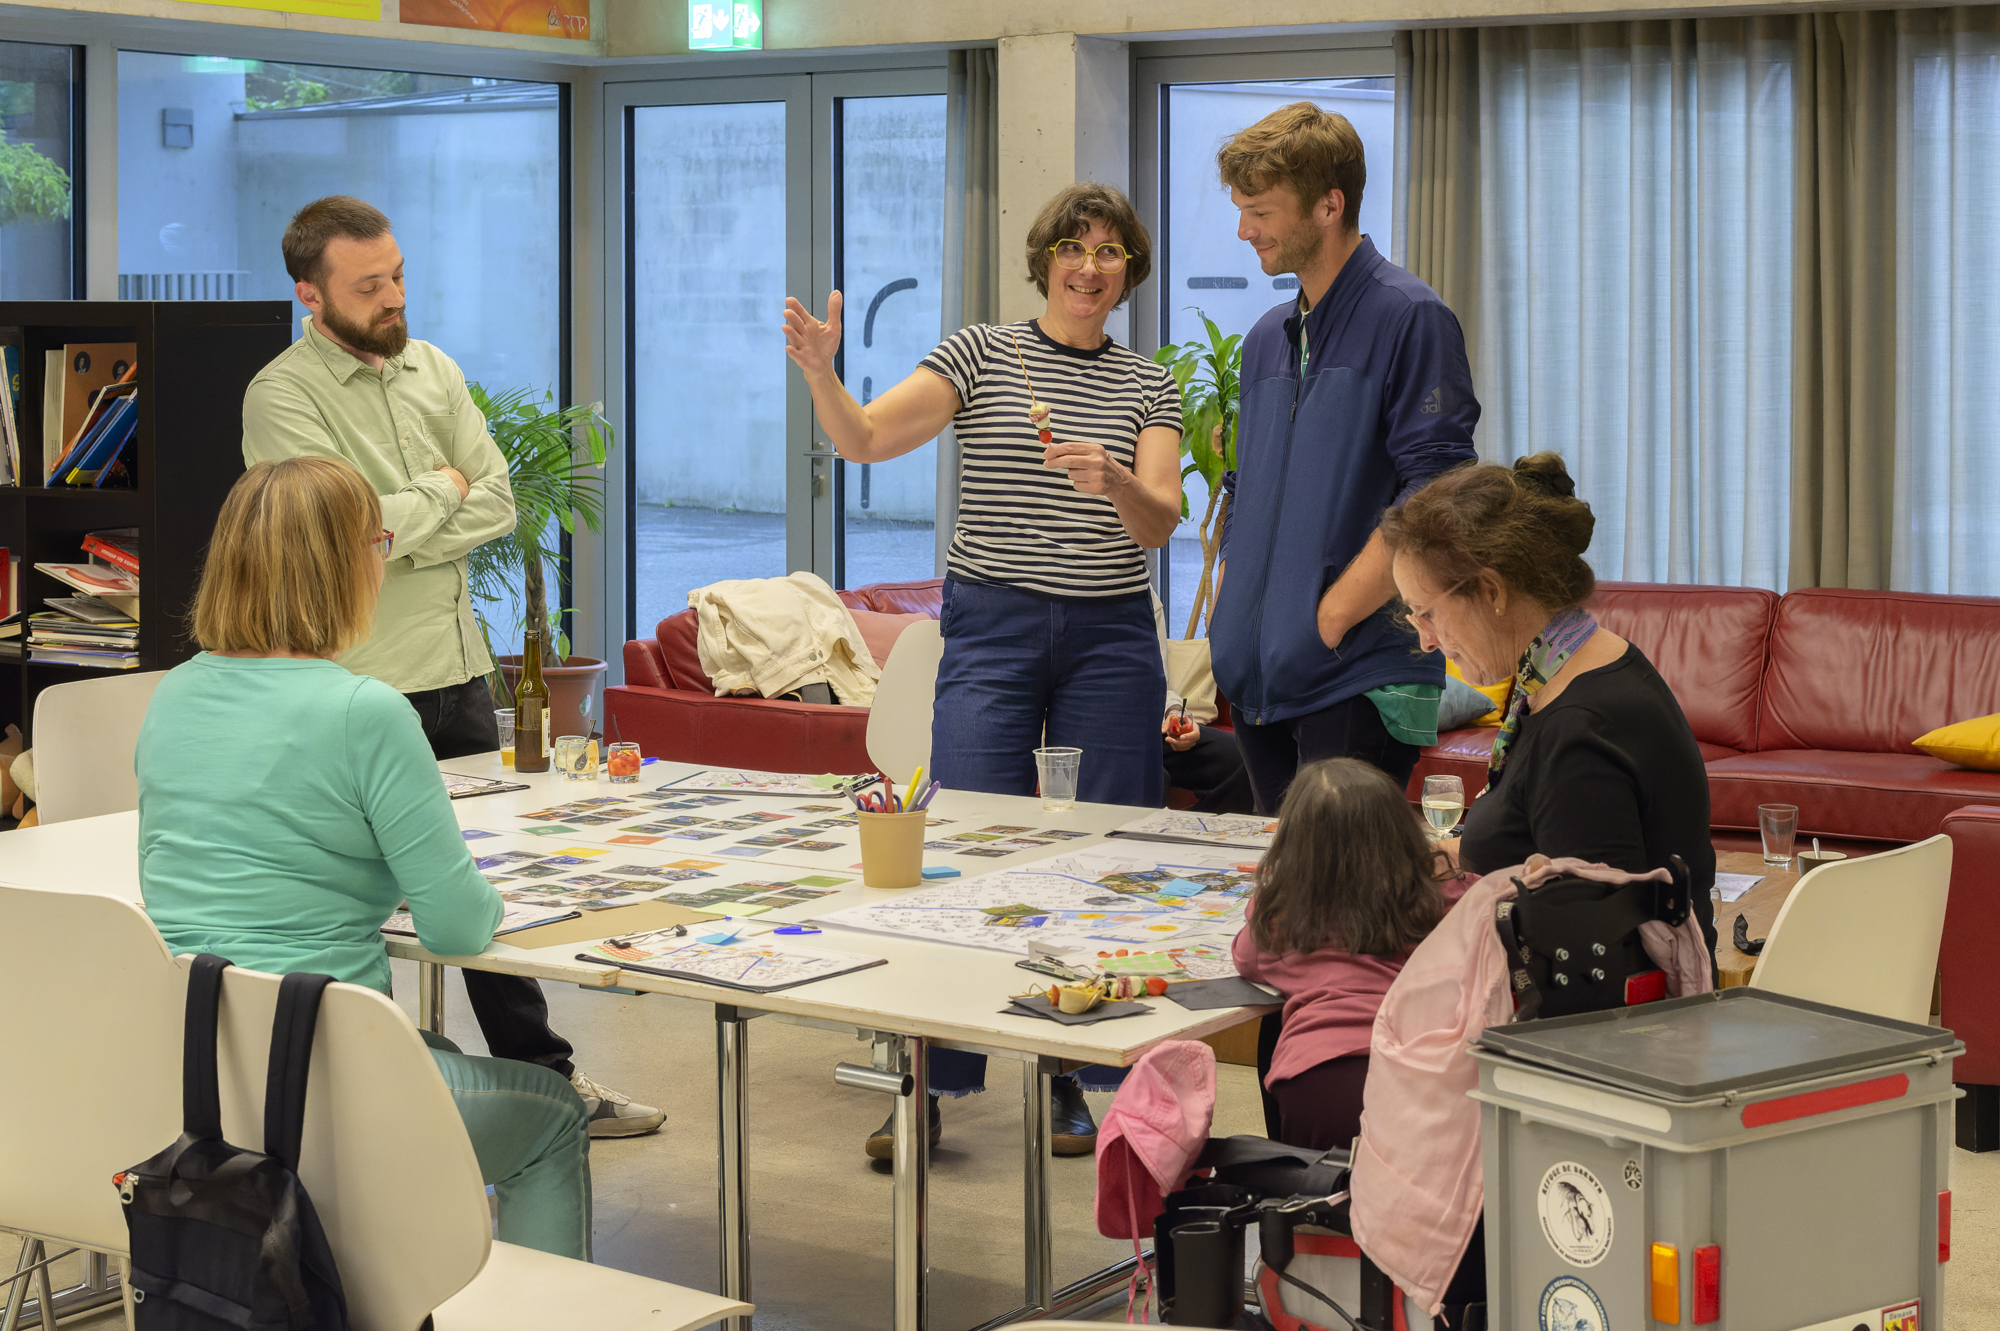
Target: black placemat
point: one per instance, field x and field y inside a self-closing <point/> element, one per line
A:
<point x="1037" y="1006"/>
<point x="1229" y="991"/>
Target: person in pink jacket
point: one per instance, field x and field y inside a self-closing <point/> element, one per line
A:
<point x="1350" y="885"/>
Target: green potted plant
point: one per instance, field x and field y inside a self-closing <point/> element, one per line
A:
<point x="553" y="456"/>
<point x="1209" y="376"/>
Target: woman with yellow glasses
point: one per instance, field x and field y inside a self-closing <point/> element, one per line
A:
<point x="1071" y="473"/>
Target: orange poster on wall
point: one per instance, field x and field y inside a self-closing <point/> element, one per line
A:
<point x="533" y="18"/>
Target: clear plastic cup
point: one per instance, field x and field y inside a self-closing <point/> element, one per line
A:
<point x="1057" y="769"/>
<point x="503" y="717"/>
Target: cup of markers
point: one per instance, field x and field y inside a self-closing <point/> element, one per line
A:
<point x="892" y="831"/>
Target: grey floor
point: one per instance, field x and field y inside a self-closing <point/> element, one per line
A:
<point x="683" y="548"/>
<point x="820" y="1210"/>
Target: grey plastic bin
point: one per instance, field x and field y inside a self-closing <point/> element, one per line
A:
<point x="1790" y="1158"/>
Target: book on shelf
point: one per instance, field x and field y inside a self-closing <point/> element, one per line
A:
<point x="97" y="579"/>
<point x="10" y="418"/>
<point x="105" y="440"/>
<point x="10" y="584"/>
<point x="99" y="660"/>
<point x="106" y="407"/>
<point x="89" y="609"/>
<point x="115" y="545"/>
<point x="86" y="368"/>
<point x="53" y="628"/>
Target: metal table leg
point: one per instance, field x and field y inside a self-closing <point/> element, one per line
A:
<point x="430" y="996"/>
<point x="1038" y="1244"/>
<point x="732" y="1087"/>
<point x="912" y="1188"/>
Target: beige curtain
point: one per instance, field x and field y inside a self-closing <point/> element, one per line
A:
<point x="971" y="232"/>
<point x="1844" y="302"/>
<point x="1440" y="231"/>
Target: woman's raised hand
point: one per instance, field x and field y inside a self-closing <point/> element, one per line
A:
<point x="812" y="342"/>
<point x="1092" y="470"/>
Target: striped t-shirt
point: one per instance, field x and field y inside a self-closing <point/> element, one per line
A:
<point x="1020" y="523"/>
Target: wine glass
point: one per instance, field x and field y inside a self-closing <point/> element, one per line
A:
<point x="1444" y="804"/>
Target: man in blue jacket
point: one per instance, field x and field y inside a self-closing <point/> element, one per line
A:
<point x="1354" y="395"/>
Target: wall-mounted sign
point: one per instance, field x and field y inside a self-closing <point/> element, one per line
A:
<point x="369" y="10"/>
<point x="530" y="18"/>
<point x="725" y="25"/>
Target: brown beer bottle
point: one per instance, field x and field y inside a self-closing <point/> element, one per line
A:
<point x="531" y="710"/>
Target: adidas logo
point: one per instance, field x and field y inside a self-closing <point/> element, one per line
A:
<point x="1433" y="404"/>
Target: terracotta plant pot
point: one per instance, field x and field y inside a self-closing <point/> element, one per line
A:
<point x="571" y="687"/>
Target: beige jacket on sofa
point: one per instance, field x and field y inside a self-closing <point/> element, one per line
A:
<point x="770" y="636"/>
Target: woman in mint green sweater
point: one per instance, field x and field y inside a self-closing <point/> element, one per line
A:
<point x="288" y="807"/>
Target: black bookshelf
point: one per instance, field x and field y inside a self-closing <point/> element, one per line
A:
<point x="195" y="360"/>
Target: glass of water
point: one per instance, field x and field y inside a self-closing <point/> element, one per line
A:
<point x="1444" y="804"/>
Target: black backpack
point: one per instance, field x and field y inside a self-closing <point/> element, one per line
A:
<point x="224" y="1238"/>
<point x="1573" y="944"/>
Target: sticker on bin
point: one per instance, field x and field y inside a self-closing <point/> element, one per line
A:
<point x="1576" y="1216"/>
<point x="1570" y="1305"/>
<point x="1901" y="1317"/>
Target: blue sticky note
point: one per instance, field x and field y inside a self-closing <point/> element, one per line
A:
<point x="474" y="834"/>
<point x="1181" y="887"/>
<point x="940" y="870"/>
<point x="720" y="940"/>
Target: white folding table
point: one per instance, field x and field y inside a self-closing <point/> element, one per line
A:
<point x="929" y="994"/>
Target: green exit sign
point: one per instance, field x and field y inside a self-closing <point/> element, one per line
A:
<point x="726" y="25"/>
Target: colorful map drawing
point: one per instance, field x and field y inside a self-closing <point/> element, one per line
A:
<point x="1233" y="830"/>
<point x="1101" y="898"/>
<point x="761" y="783"/>
<point x="753" y="964"/>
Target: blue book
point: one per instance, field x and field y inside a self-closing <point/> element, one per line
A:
<point x="111" y="465"/>
<point x="98" y="447"/>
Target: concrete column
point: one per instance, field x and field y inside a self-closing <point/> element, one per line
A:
<point x="1065" y="116"/>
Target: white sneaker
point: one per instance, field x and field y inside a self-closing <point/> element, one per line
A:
<point x="614" y="1115"/>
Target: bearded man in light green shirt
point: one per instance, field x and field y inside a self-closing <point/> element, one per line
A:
<point x="356" y="386"/>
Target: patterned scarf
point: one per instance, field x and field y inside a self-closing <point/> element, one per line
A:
<point x="1562" y="635"/>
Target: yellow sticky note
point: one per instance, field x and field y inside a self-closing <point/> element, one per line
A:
<point x="582" y="850"/>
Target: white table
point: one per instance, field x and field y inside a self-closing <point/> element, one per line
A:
<point x="929" y="994"/>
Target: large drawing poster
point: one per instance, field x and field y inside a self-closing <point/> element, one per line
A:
<point x="1104" y="897"/>
<point x="1235" y="830"/>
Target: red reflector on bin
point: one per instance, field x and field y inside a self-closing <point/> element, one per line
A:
<point x="1707" y="1285"/>
<point x="1788" y="1107"/>
<point x="1944" y="1226"/>
<point x="1650" y="987"/>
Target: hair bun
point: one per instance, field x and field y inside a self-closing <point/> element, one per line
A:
<point x="1545" y="474"/>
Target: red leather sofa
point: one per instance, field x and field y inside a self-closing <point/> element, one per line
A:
<point x="668" y="704"/>
<point x="1809" y="699"/>
<point x="1965" y="961"/>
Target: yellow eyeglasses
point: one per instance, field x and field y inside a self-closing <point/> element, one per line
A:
<point x="1110" y="257"/>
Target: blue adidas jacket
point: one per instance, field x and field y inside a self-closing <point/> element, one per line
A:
<point x="1386" y="404"/>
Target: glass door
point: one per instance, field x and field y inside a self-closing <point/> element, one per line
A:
<point x="718" y="231"/>
<point x="1186" y="107"/>
<point x="882" y="161"/>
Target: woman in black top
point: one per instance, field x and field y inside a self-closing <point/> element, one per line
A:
<point x="1595" y="758"/>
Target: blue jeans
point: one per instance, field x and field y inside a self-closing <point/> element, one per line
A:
<point x="1084" y="672"/>
<point x="528" y="1131"/>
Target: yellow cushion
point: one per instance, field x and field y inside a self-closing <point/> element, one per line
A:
<point x="1974" y="743"/>
<point x="1497" y="692"/>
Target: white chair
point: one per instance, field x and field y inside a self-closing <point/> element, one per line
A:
<point x="84" y="735"/>
<point x="1863" y="933"/>
<point x="94" y="1003"/>
<point x="899" y="720"/>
